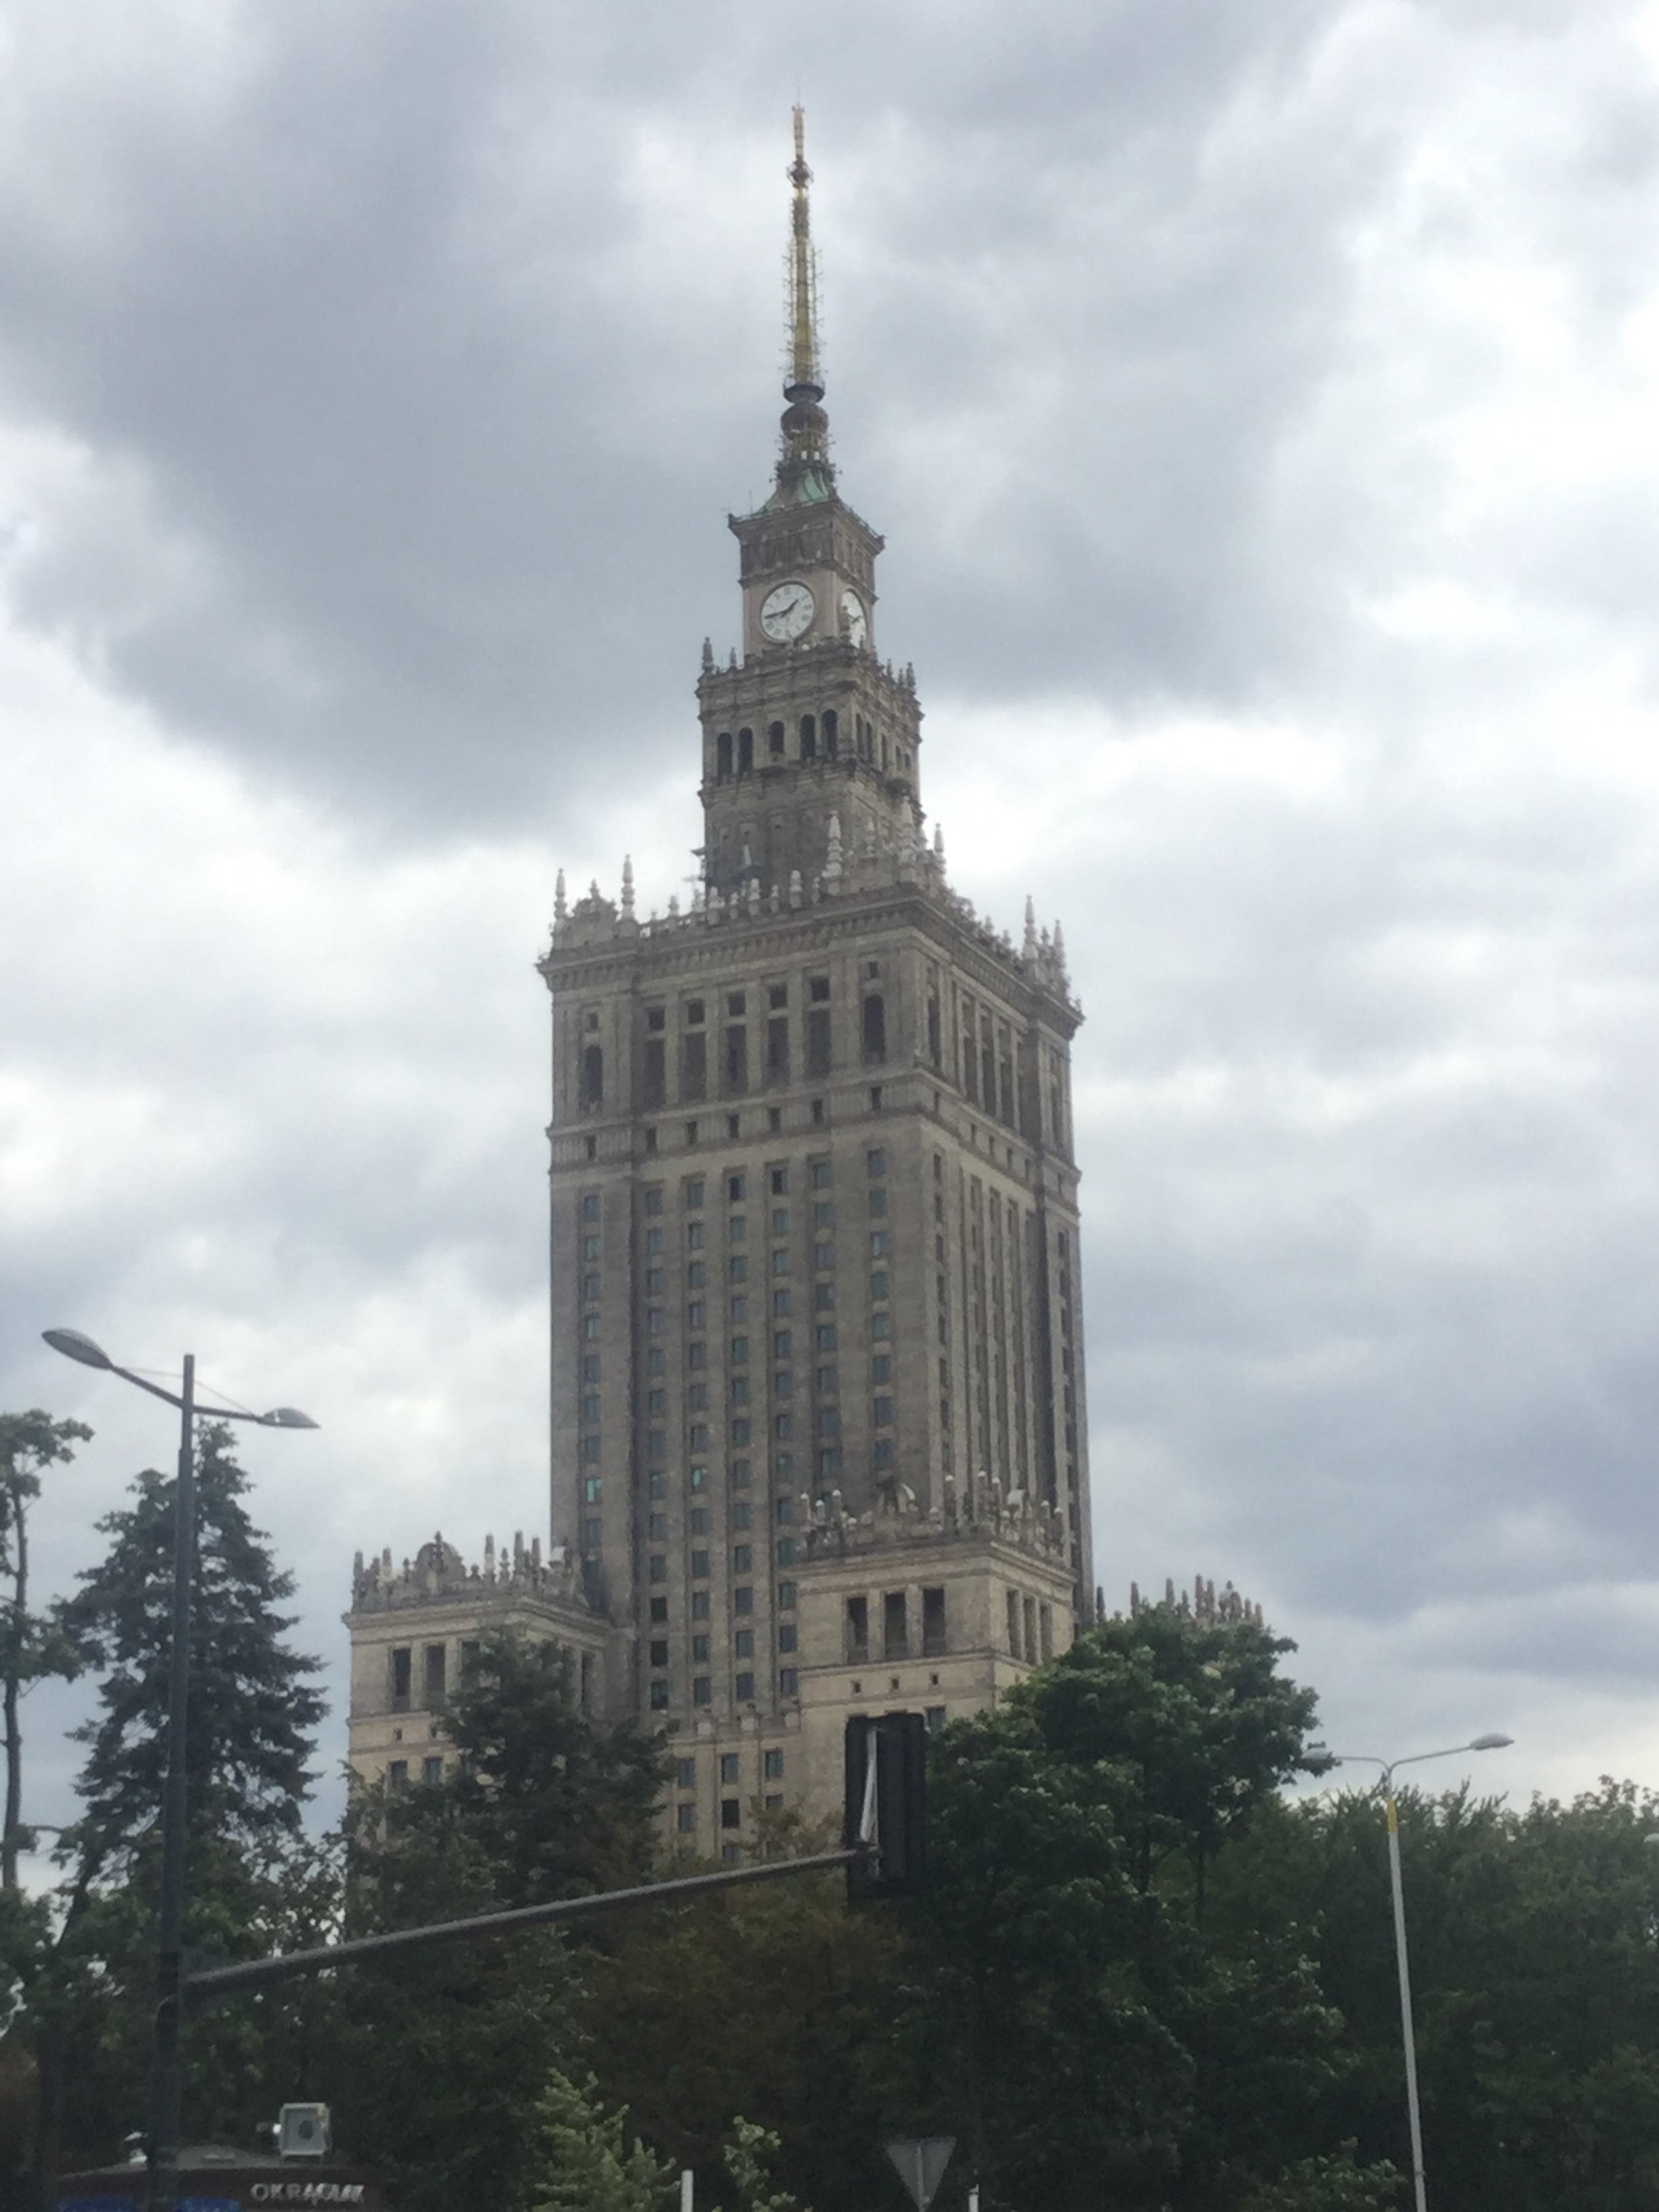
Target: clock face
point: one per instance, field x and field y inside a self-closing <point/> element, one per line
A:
<point x="787" y="611"/>
<point x="854" y="622"/>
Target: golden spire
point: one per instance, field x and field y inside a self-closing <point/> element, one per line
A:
<point x="806" y="425"/>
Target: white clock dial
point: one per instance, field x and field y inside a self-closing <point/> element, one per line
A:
<point x="787" y="611"/>
<point x="855" y="623"/>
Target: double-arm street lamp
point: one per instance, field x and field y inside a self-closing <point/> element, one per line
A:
<point x="1387" y="1765"/>
<point x="165" y="2077"/>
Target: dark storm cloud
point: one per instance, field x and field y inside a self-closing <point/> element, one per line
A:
<point x="378" y="326"/>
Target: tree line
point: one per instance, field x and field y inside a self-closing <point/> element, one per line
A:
<point x="1147" y="1973"/>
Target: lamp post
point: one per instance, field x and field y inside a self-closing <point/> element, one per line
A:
<point x="1387" y="1765"/>
<point x="166" y="2073"/>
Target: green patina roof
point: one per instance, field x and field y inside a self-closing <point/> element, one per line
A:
<point x="805" y="485"/>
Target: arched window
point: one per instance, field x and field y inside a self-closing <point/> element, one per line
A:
<point x="809" y="737"/>
<point x="775" y="740"/>
<point x="723" y="755"/>
<point x="829" y="733"/>
<point x="745" y="751"/>
<point x="592" y="1077"/>
<point x="875" y="1029"/>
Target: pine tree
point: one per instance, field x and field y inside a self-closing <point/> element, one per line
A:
<point x="252" y="1707"/>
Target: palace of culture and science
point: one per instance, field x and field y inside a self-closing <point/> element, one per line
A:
<point x="818" y="1435"/>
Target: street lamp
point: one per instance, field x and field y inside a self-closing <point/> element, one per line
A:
<point x="166" y="2074"/>
<point x="1387" y="1765"/>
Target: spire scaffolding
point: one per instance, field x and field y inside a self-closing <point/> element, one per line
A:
<point x="805" y="426"/>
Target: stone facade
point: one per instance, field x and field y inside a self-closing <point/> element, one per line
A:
<point x="816" y="1338"/>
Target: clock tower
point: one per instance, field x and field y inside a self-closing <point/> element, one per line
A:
<point x="818" y="1439"/>
<point x="808" y="727"/>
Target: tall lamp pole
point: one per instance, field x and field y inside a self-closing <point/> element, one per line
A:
<point x="166" y="2073"/>
<point x="1387" y="1765"/>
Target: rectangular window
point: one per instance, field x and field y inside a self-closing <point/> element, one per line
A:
<point x="881" y="1367"/>
<point x="781" y="1302"/>
<point x="657" y="1527"/>
<point x="772" y="1765"/>
<point x="879" y="1198"/>
<point x="653" y="1199"/>
<point x="696" y="1274"/>
<point x="858" y="1629"/>
<point x="737" y="1310"/>
<point x="698" y="1436"/>
<point x="699" y="1520"/>
<point x="932" y="1623"/>
<point x="737" y="1061"/>
<point x="701" y="1690"/>
<point x="742" y="1644"/>
<point x="591" y="1536"/>
<point x="781" y="1261"/>
<point x="699" y="1605"/>
<point x="699" y="1566"/>
<point x="737" y="1229"/>
<point x="786" y="1550"/>
<point x="881" y="1324"/>
<point x="685" y="1773"/>
<point x="880" y="1243"/>
<point x="788" y="1682"/>
<point x="780" y="1344"/>
<point x="827" y="1380"/>
<point x="731" y="1812"/>
<point x="895" y="1626"/>
<point x="699" y="1651"/>
<point x="685" y="1816"/>
<point x="742" y="1558"/>
<point x="881" y="1412"/>
<point x="786" y="1597"/>
<point x="787" y="1635"/>
<point x="739" y="1383"/>
<point x="819" y="1048"/>
<point x="742" y="1432"/>
<point x="875" y="1162"/>
<point x="402" y="1674"/>
<point x="657" y="1570"/>
<point x="697" y="1355"/>
<point x="824" y="1257"/>
<point x="659" y="1651"/>
<point x="592" y="1489"/>
<point x="397" y="1774"/>
<point x="743" y="1599"/>
<point x="783" y="1428"/>
<point x="777" y="1049"/>
<point x="590" y="1207"/>
<point x="694" y="1195"/>
<point x="824" y="1297"/>
<point x="694" y="1067"/>
<point x="743" y="1689"/>
<point x="589" y="1367"/>
<point x="737" y="1268"/>
<point x="739" y="1474"/>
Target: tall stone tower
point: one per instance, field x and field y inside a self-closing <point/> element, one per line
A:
<point x="818" y="1437"/>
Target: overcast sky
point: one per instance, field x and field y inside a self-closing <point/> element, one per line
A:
<point x="1258" y="399"/>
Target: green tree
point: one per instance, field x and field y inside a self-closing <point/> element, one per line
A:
<point x="32" y="1645"/>
<point x="1068" y="1964"/>
<point x="805" y="1991"/>
<point x="585" y="2161"/>
<point x="558" y="1803"/>
<point x="253" y="1709"/>
<point x="544" y="1802"/>
<point x="84" y="2023"/>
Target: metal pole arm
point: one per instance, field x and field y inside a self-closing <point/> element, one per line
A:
<point x="259" y="1973"/>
